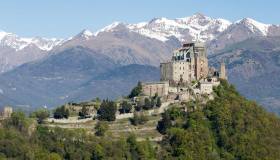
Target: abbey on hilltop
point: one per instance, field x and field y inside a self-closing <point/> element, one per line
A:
<point x="186" y="74"/>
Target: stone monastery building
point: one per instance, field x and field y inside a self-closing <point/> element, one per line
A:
<point x="186" y="73"/>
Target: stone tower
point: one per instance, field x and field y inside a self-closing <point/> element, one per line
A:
<point x="188" y="63"/>
<point x="7" y="112"/>
<point x="223" y="71"/>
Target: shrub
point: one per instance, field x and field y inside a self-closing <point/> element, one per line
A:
<point x="138" y="119"/>
<point x="101" y="128"/>
<point x="41" y="115"/>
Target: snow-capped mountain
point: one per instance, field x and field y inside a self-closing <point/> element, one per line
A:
<point x="196" y="27"/>
<point x="109" y="28"/>
<point x="85" y="34"/>
<point x="254" y="26"/>
<point x="242" y="30"/>
<point x="18" y="43"/>
<point x="15" y="50"/>
<point x="217" y="33"/>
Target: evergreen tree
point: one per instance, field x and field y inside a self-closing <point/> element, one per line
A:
<point x="125" y="107"/>
<point x="147" y="104"/>
<point x="158" y="103"/>
<point x="61" y="112"/>
<point x="136" y="91"/>
<point x="107" y="111"/>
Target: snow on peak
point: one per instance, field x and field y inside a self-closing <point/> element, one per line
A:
<point x="3" y="34"/>
<point x="137" y="25"/>
<point x="253" y="25"/>
<point x="44" y="43"/>
<point x="85" y="34"/>
<point x="187" y="28"/>
<point x="88" y="33"/>
<point x="164" y="21"/>
<point x="14" y="41"/>
<point x="108" y="28"/>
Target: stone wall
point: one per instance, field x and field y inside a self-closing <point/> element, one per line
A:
<point x="150" y="89"/>
<point x="206" y="88"/>
<point x="166" y="71"/>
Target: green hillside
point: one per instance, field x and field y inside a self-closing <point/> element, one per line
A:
<point x="228" y="127"/>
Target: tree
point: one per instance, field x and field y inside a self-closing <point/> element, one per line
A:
<point x="138" y="107"/>
<point x="41" y="115"/>
<point x="153" y="103"/>
<point x="101" y="128"/>
<point x="164" y="123"/>
<point x="54" y="156"/>
<point x="147" y="104"/>
<point x="158" y="103"/>
<point x="98" y="152"/>
<point x="136" y="91"/>
<point x="17" y="120"/>
<point x="61" y="112"/>
<point x="107" y="111"/>
<point x="125" y="107"/>
<point x="140" y="150"/>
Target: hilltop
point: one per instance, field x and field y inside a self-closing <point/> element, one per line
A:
<point x="227" y="127"/>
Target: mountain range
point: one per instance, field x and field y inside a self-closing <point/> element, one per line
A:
<point x="108" y="62"/>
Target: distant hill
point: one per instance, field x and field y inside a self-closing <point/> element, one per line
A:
<point x="254" y="66"/>
<point x="75" y="74"/>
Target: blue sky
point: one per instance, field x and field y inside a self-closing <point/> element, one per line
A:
<point x="64" y="18"/>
